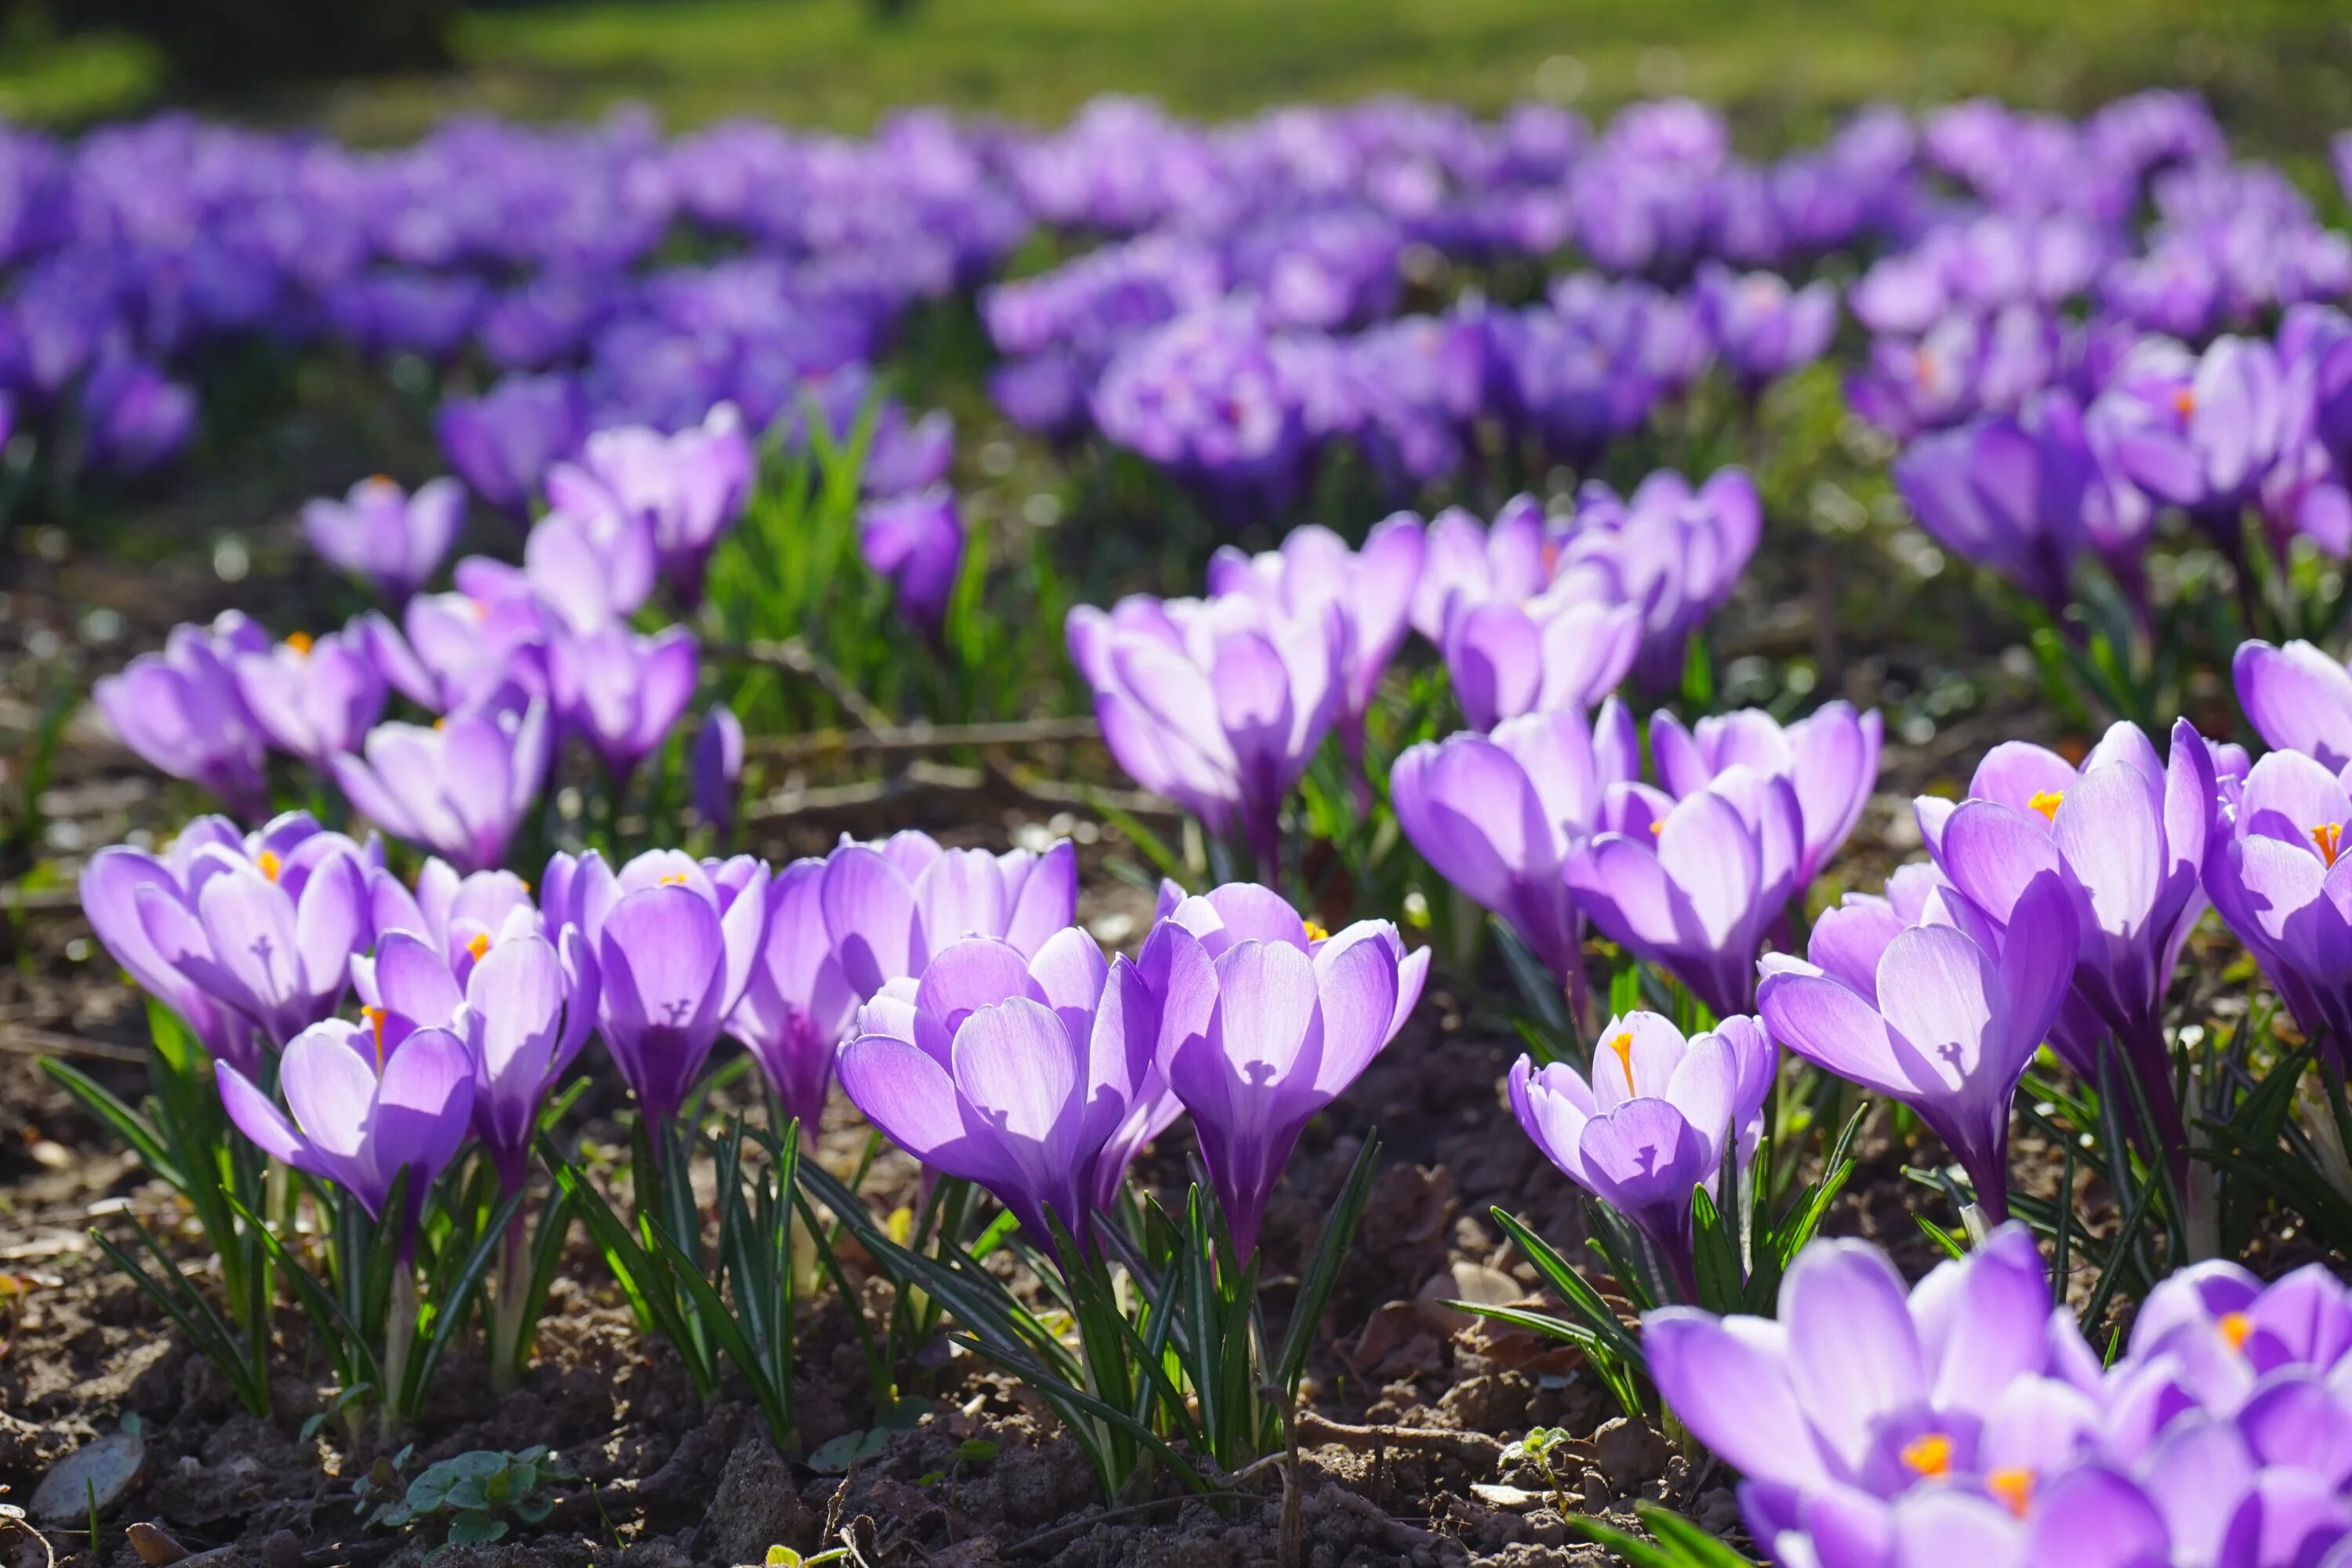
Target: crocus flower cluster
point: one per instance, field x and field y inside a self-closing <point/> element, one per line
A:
<point x="1968" y="1422"/>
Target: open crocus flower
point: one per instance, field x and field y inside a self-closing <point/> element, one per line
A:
<point x="459" y="788"/>
<point x="1495" y="816"/>
<point x="1956" y="1016"/>
<point x="1373" y="588"/>
<point x="889" y="906"/>
<point x="451" y="649"/>
<point x="1218" y="704"/>
<point x="1763" y="328"/>
<point x="380" y="531"/>
<point x="1467" y="562"/>
<point x="2007" y="492"/>
<point x="502" y="442"/>
<point x="1674" y="550"/>
<point x="360" y="1119"/>
<point x="2126" y="834"/>
<point x="591" y="570"/>
<point x="1694" y="887"/>
<point x="1569" y="646"/>
<point x="2276" y="872"/>
<point x="1263" y="1023"/>
<point x="674" y="940"/>
<point x="313" y="697"/>
<point x="2199" y="432"/>
<point x="1830" y="758"/>
<point x="1010" y="1070"/>
<point x="689" y="486"/>
<point x="1855" y="1402"/>
<point x="799" y="1004"/>
<point x="455" y="915"/>
<point x="181" y="711"/>
<point x="622" y="692"/>
<point x="1650" y="1125"/>
<point x="2297" y="699"/>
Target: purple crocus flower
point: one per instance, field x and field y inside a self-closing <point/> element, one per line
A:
<point x="1676" y="551"/>
<point x="688" y="488"/>
<point x="459" y="788"/>
<point x="1496" y="815"/>
<point x="2009" y="492"/>
<point x="181" y="711"/>
<point x="379" y="531"/>
<point x="1467" y="563"/>
<point x="459" y="917"/>
<point x="676" y="941"/>
<point x="916" y="542"/>
<point x="1568" y="647"/>
<point x="623" y="691"/>
<point x="903" y="457"/>
<point x="502" y="442"/>
<point x="314" y="698"/>
<point x="1954" y="1021"/>
<point x="1011" y="1070"/>
<point x="1830" y="758"/>
<point x="1218" y="704"/>
<point x="1695" y="885"/>
<point x="526" y="1010"/>
<point x="2297" y="699"/>
<point x="1651" y="1123"/>
<point x="889" y="906"/>
<point x="134" y="419"/>
<point x="452" y="649"/>
<point x="1762" y="327"/>
<point x="359" y="1120"/>
<point x="2275" y="871"/>
<point x="2199" y="433"/>
<point x="264" y="926"/>
<point x="1263" y="1023"/>
<point x="590" y="570"/>
<point x="799" y="1005"/>
<point x="716" y="767"/>
<point x="1372" y="588"/>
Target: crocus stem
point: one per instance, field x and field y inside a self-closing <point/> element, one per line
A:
<point x="399" y="1339"/>
<point x="511" y="1305"/>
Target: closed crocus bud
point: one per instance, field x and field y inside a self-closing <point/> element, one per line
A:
<point x="313" y="697"/>
<point x="688" y="488"/>
<point x="1568" y="647"/>
<point x="459" y="788"/>
<point x="1008" y="1070"/>
<point x="1694" y="886"/>
<point x="2297" y="699"/>
<point x="526" y="1010"/>
<point x="1650" y="1125"/>
<point x="2010" y="492"/>
<point x="716" y="766"/>
<point x="379" y="531"/>
<point x="799" y="1005"/>
<point x="503" y="442"/>
<point x="181" y="711"/>
<point x="1830" y="758"/>
<point x="889" y="905"/>
<point x="358" y="1119"/>
<point x="622" y="692"/>
<point x="1956" y="1019"/>
<point x="916" y="542"/>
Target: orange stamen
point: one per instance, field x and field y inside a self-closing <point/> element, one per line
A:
<point x="480" y="946"/>
<point x="270" y="863"/>
<point x="1623" y="1046"/>
<point x="2329" y="836"/>
<point x="374" y="1016"/>
<point x="2184" y="402"/>
<point x="2236" y="1328"/>
<point x="2013" y="1486"/>
<point x="1657" y="827"/>
<point x="2047" y="801"/>
<point x="1929" y="1456"/>
<point x="674" y="880"/>
<point x="301" y="642"/>
<point x="1315" y="932"/>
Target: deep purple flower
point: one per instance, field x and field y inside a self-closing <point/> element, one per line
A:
<point x="2297" y="699"/>
<point x="622" y="692"/>
<point x="1653" y="1123"/>
<point x="502" y="442"/>
<point x="181" y="711"/>
<point x="134" y="419"/>
<point x="379" y="531"/>
<point x="2197" y="432"/>
<point x="2275" y="871"/>
<point x="889" y="906"/>
<point x="2010" y="492"/>
<point x="459" y="788"/>
<point x="314" y="698"/>
<point x="1011" y="1070"/>
<point x="718" y="767"/>
<point x="799" y="1005"/>
<point x="1695" y="887"/>
<point x="1830" y="758"/>
<point x="916" y="542"/>
<point x="1955" y="1020"/>
<point x="1762" y="327"/>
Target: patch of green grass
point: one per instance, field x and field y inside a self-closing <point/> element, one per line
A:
<point x="71" y="81"/>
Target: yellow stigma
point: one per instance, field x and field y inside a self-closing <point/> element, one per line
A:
<point x="1623" y="1046"/>
<point x="674" y="880"/>
<point x="374" y="1016"/>
<point x="1657" y="827"/>
<point x="2329" y="836"/>
<point x="2047" y="801"/>
<point x="2236" y="1328"/>
<point x="1315" y="932"/>
<point x="2014" y="1488"/>
<point x="441" y="723"/>
<point x="480" y="946"/>
<point x="301" y="642"/>
<point x="1930" y="1456"/>
<point x="270" y="863"/>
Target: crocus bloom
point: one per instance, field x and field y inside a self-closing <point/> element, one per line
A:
<point x="2007" y="492"/>
<point x="459" y="788"/>
<point x="717" y="764"/>
<point x="502" y="442"/>
<point x="1373" y="589"/>
<point x="2297" y="699"/>
<point x="1008" y="1070"/>
<point x="590" y="570"/>
<point x="1763" y="328"/>
<point x="1264" y="1023"/>
<point x="676" y="939"/>
<point x="916" y="542"/>
<point x="799" y="1004"/>
<point x="1464" y="561"/>
<point x="622" y="692"/>
<point x="2197" y="432"/>
<point x="1494" y="814"/>
<point x="889" y="906"/>
<point x="452" y="649"/>
<point x="1830" y="758"/>
<point x="359" y="1121"/>
<point x="1218" y="704"/>
<point x="1676" y="551"/>
<point x="2275" y="870"/>
<point x="459" y="917"/>
<point x="1651" y="1123"/>
<point x="379" y="531"/>
<point x="1953" y="1026"/>
<point x="1697" y="886"/>
<point x="181" y="711"/>
<point x="313" y="697"/>
<point x="688" y="488"/>
<point x="264" y="926"/>
<point x="1568" y="647"/>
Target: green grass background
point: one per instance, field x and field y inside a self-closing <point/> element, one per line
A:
<point x="2279" y="71"/>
